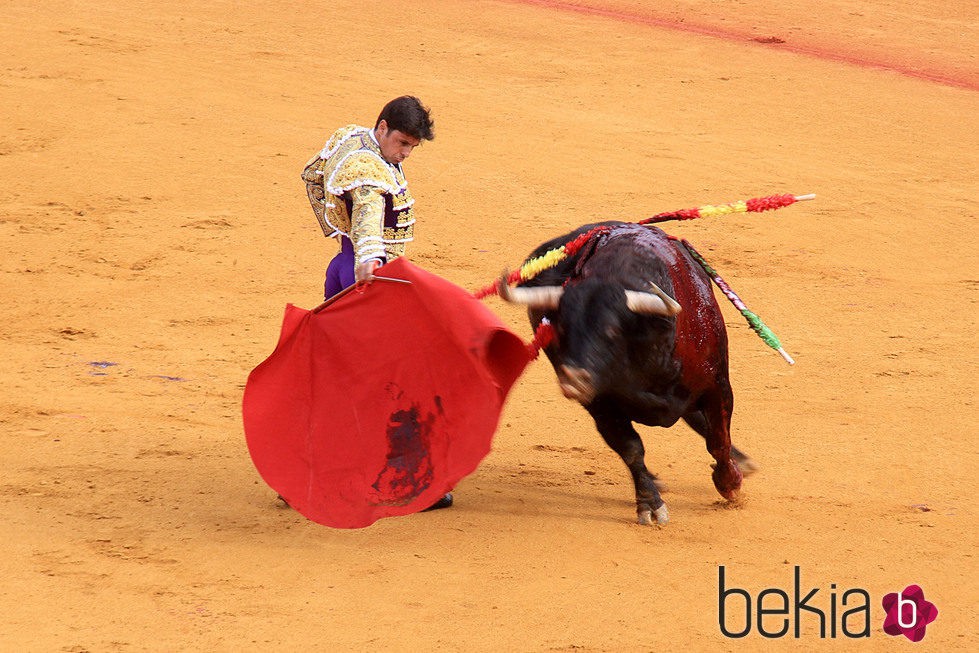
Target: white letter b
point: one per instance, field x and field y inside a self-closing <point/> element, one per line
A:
<point x="901" y="602"/>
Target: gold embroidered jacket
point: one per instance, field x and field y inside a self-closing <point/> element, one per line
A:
<point x="355" y="193"/>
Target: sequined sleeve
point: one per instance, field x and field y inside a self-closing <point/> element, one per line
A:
<point x="367" y="223"/>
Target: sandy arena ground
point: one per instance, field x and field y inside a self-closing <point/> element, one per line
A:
<point x="152" y="216"/>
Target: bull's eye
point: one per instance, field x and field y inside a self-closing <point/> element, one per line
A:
<point x="612" y="332"/>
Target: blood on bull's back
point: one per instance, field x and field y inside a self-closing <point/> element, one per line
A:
<point x="700" y="325"/>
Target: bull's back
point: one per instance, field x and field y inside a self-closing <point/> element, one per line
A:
<point x="565" y="269"/>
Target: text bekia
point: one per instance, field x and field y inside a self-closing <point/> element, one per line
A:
<point x="774" y="613"/>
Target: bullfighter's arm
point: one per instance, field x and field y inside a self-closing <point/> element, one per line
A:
<point x="367" y="224"/>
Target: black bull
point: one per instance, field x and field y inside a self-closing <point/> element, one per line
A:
<point x="629" y="353"/>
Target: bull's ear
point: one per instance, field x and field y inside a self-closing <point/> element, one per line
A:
<point x="656" y="302"/>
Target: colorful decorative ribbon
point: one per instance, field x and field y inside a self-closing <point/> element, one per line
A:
<point x="754" y="205"/>
<point x="552" y="257"/>
<point x="543" y="336"/>
<point x="754" y="321"/>
<point x="545" y="261"/>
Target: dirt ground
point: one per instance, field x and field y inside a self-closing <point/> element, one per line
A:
<point x="153" y="227"/>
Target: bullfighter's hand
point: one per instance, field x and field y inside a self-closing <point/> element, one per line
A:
<point x="364" y="273"/>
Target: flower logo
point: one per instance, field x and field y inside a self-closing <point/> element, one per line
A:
<point x="908" y="613"/>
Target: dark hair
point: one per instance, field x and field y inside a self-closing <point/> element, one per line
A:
<point x="407" y="115"/>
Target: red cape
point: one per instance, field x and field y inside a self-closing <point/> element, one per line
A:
<point x="380" y="403"/>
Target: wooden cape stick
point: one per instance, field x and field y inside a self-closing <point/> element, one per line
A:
<point x="352" y="288"/>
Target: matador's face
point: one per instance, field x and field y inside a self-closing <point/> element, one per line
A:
<point x="396" y="146"/>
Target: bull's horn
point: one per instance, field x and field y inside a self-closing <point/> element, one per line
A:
<point x="656" y="302"/>
<point x="541" y="297"/>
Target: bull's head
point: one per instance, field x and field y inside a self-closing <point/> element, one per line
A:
<point x="547" y="298"/>
<point x="600" y="332"/>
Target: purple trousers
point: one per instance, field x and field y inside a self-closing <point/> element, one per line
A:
<point x="340" y="272"/>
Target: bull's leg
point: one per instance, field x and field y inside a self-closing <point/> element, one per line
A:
<point x="620" y="435"/>
<point x="713" y="422"/>
<point x="696" y="420"/>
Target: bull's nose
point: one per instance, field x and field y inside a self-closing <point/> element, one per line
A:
<point x="575" y="383"/>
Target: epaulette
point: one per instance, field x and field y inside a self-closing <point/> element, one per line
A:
<point x="362" y="167"/>
<point x="339" y="137"/>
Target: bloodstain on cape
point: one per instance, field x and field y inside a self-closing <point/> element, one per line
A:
<point x="383" y="401"/>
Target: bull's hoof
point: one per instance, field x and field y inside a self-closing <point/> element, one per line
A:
<point x="733" y="496"/>
<point x="727" y="480"/>
<point x="661" y="514"/>
<point x="748" y="466"/>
